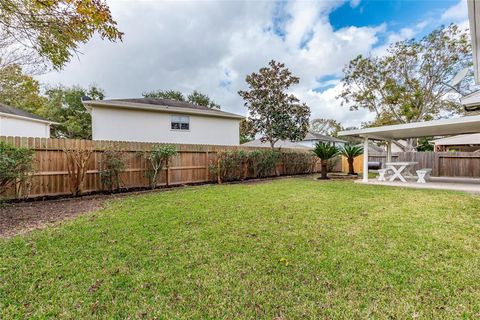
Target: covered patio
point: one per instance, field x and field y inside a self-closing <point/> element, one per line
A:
<point x="435" y="128"/>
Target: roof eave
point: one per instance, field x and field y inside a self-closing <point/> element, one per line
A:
<point x="9" y="115"/>
<point x="167" y="109"/>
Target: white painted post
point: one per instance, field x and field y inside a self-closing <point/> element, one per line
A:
<point x="365" y="160"/>
<point x="389" y="151"/>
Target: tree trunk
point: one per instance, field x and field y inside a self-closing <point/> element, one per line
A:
<point x="351" y="169"/>
<point x="324" y="169"/>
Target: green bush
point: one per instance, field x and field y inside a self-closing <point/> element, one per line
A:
<point x="112" y="165"/>
<point x="230" y="165"/>
<point x="298" y="163"/>
<point x="15" y="165"/>
<point x="157" y="159"/>
<point x="263" y="163"/>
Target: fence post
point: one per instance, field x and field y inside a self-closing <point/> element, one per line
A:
<point x="206" y="166"/>
<point x="167" y="178"/>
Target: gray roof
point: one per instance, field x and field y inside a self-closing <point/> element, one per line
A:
<point x="373" y="148"/>
<point x="321" y="137"/>
<point x="279" y="144"/>
<point x="18" y="112"/>
<point x="161" y="105"/>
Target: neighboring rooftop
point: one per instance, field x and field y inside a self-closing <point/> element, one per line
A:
<point x="162" y="105"/>
<point x="317" y="136"/>
<point x="464" y="139"/>
<point x="20" y="113"/>
<point x="279" y="144"/>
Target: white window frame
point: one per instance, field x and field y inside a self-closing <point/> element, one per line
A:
<point x="181" y="120"/>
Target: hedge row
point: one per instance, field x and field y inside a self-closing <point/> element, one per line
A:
<point x="239" y="165"/>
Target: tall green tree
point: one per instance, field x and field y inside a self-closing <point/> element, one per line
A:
<point x="53" y="29"/>
<point x="196" y="97"/>
<point x="329" y="127"/>
<point x="65" y="107"/>
<point x="201" y="99"/>
<point x="165" y="94"/>
<point x="410" y="82"/>
<point x="20" y="90"/>
<point x="246" y="131"/>
<point x="274" y="113"/>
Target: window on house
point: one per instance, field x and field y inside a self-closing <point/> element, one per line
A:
<point x="180" y="123"/>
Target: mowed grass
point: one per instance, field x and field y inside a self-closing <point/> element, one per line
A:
<point x="286" y="249"/>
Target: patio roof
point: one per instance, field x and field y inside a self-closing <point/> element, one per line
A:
<point x="444" y="127"/>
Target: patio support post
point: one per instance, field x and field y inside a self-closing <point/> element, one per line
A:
<point x="389" y="151"/>
<point x="365" y="159"/>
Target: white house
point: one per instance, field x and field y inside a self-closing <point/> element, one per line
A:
<point x="162" y="120"/>
<point x="311" y="139"/>
<point x="307" y="143"/>
<point x="19" y="123"/>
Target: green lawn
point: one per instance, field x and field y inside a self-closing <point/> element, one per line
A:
<point x="291" y="248"/>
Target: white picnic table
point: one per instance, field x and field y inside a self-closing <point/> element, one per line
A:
<point x="401" y="169"/>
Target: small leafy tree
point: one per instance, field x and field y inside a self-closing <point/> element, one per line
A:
<point x="112" y="165"/>
<point x="325" y="151"/>
<point x="16" y="164"/>
<point x="77" y="166"/>
<point x="274" y="113"/>
<point x="351" y="152"/>
<point x="158" y="158"/>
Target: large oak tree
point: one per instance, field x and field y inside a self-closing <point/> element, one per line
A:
<point x="53" y="29"/>
<point x="274" y="113"/>
<point x="410" y="82"/>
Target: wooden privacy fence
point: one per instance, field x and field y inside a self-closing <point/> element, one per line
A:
<point x="190" y="165"/>
<point x="443" y="164"/>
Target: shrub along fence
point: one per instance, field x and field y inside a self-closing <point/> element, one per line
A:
<point x="443" y="164"/>
<point x="98" y="162"/>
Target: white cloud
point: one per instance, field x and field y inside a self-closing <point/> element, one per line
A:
<point x="456" y="13"/>
<point x="212" y="46"/>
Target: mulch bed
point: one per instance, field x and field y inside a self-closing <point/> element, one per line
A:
<point x="16" y="218"/>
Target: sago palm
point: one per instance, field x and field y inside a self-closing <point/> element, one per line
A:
<point x="325" y="151"/>
<point x="351" y="152"/>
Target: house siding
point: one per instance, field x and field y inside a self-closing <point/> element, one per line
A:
<point x="151" y="126"/>
<point x="23" y="128"/>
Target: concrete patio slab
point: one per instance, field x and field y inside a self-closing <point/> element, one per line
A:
<point x="470" y="185"/>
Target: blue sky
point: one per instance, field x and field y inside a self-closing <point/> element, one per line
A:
<point x="211" y="46"/>
<point x="396" y="14"/>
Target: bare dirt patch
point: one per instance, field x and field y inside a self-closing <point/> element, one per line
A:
<point x="16" y="218"/>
